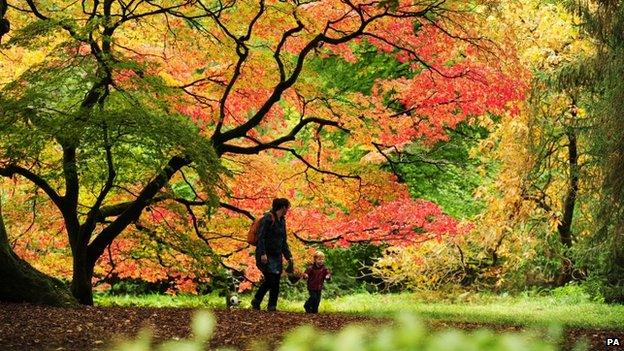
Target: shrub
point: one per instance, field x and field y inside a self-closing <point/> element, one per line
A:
<point x="351" y="273"/>
<point x="571" y="293"/>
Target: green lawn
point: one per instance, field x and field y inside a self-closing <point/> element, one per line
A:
<point x="503" y="310"/>
<point x="524" y="310"/>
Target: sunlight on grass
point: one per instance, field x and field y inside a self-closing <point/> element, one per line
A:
<point x="528" y="310"/>
<point x="499" y="310"/>
<point x="155" y="300"/>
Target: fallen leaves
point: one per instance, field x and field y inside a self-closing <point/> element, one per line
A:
<point x="30" y="327"/>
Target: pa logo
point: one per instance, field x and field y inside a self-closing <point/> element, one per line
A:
<point x="612" y="342"/>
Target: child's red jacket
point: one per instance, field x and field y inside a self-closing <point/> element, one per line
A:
<point x="316" y="276"/>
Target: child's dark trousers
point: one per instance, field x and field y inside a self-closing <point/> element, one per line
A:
<point x="312" y="304"/>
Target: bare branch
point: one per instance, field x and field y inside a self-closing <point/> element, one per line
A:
<point x="243" y="52"/>
<point x="277" y="142"/>
<point x="308" y="164"/>
<point x="414" y="56"/>
<point x="280" y="45"/>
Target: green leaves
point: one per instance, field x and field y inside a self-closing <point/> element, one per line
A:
<point x="42" y="112"/>
<point x="33" y="35"/>
<point x="183" y="190"/>
<point x="144" y="136"/>
<point x="445" y="174"/>
<point x="392" y="5"/>
<point x="410" y="334"/>
<point x="407" y="333"/>
<point x="601" y="75"/>
<point x="342" y="77"/>
<point x="203" y="325"/>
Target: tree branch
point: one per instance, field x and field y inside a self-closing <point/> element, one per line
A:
<point x="237" y="210"/>
<point x="132" y="213"/>
<point x="224" y="148"/>
<point x="10" y="170"/>
<point x="89" y="224"/>
<point x="243" y="52"/>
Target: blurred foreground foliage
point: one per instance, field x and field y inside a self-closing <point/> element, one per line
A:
<point x="406" y="333"/>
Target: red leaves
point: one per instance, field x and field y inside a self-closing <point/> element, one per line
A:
<point x="454" y="80"/>
<point x="399" y="222"/>
<point x="230" y="76"/>
<point x="433" y="102"/>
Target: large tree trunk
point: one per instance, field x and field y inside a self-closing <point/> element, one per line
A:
<point x="20" y="282"/>
<point x="81" y="286"/>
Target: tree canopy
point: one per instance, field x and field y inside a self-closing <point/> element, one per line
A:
<point x="140" y="138"/>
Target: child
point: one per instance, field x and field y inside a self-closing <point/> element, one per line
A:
<point x="316" y="275"/>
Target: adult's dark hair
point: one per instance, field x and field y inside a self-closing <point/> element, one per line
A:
<point x="279" y="203"/>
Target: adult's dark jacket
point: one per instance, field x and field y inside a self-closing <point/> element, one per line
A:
<point x="272" y="242"/>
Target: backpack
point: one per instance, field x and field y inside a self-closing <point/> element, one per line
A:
<point x="254" y="230"/>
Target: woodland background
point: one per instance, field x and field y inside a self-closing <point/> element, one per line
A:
<point x="443" y="146"/>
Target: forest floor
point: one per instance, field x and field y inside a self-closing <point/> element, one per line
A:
<point x="30" y="327"/>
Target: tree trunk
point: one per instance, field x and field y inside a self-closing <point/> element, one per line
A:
<point x="20" y="282"/>
<point x="565" y="227"/>
<point x="82" y="272"/>
<point x="81" y="283"/>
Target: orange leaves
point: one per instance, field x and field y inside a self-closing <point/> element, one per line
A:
<point x="453" y="78"/>
<point x="246" y="101"/>
<point x="229" y="71"/>
<point x="399" y="222"/>
<point x="197" y="114"/>
<point x="186" y="285"/>
<point x="380" y="211"/>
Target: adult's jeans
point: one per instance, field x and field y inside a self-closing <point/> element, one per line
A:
<point x="271" y="284"/>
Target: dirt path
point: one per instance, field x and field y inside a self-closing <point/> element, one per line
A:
<point x="29" y="327"/>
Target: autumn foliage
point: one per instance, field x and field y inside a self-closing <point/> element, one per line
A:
<point x="206" y="112"/>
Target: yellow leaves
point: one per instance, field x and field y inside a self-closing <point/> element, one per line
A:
<point x="425" y="265"/>
<point x="14" y="61"/>
<point x="518" y="127"/>
<point x="169" y="79"/>
<point x="544" y="34"/>
<point x="554" y="221"/>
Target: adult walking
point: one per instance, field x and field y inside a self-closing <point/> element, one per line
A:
<point x="272" y="245"/>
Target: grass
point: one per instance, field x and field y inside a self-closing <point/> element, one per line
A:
<point x="155" y="300"/>
<point x="502" y="310"/>
<point x="485" y="309"/>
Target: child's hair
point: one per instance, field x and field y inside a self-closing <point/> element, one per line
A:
<point x="319" y="254"/>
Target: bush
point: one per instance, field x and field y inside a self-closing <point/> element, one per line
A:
<point x="571" y="293"/>
<point x="131" y="286"/>
<point x="430" y="265"/>
<point x="350" y="273"/>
